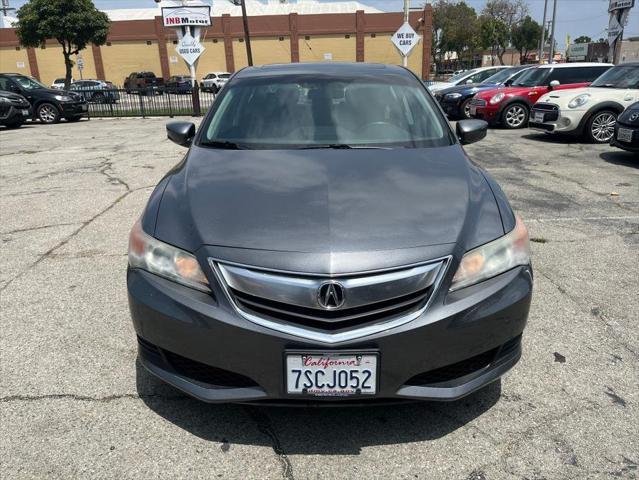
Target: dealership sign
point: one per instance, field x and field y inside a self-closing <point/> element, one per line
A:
<point x="189" y="49"/>
<point x="578" y="51"/>
<point x="198" y="16"/>
<point x="620" y="4"/>
<point x="405" y="39"/>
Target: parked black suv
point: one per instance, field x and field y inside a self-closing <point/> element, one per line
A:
<point x="49" y="105"/>
<point x="14" y="109"/>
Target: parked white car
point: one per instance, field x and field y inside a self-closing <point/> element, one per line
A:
<point x="58" y="83"/>
<point x="590" y="111"/>
<point x="476" y="75"/>
<point x="214" y="81"/>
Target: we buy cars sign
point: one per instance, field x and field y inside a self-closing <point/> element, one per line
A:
<point x="198" y="16"/>
<point x="405" y="39"/>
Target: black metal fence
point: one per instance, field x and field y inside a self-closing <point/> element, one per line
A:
<point x="157" y="102"/>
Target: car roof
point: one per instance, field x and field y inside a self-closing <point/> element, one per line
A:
<point x="325" y="68"/>
<point x="576" y="64"/>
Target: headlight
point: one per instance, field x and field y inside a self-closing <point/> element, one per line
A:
<point x="4" y="100"/>
<point x="152" y="255"/>
<point x="453" y="96"/>
<point x="494" y="258"/>
<point x="579" y="100"/>
<point x="63" y="98"/>
<point x="497" y="98"/>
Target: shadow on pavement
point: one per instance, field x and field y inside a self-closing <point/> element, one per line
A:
<point x="312" y="430"/>
<point x="627" y="159"/>
<point x="555" y="138"/>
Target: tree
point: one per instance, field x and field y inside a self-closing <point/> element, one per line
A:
<point x="494" y="35"/>
<point x="525" y="37"/>
<point x="455" y="29"/>
<point x="583" y="39"/>
<point x="73" y="23"/>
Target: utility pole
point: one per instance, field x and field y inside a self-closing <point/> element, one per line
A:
<point x="247" y="36"/>
<point x="542" y="44"/>
<point x="551" y="56"/>
<point x="406" y="17"/>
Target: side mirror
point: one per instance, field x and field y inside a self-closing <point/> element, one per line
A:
<point x="181" y="133"/>
<point x="554" y="84"/>
<point x="471" y="131"/>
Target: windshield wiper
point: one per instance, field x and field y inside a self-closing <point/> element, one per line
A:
<point x="225" y="145"/>
<point x="342" y="146"/>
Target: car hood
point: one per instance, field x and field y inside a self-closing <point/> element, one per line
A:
<point x="11" y="96"/>
<point x="509" y="91"/>
<point x="436" y="86"/>
<point x="328" y="202"/>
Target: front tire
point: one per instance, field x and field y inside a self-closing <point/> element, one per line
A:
<point x="48" y="113"/>
<point x="515" y="116"/>
<point x="464" y="109"/>
<point x="601" y="126"/>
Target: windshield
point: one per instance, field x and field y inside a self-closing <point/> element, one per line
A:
<point x="501" y="76"/>
<point x="459" y="76"/>
<point x="302" y="111"/>
<point x="532" y="78"/>
<point x="29" y="83"/>
<point x="619" y="77"/>
<point x="224" y="75"/>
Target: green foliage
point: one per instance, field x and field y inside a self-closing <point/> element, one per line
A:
<point x="583" y="39"/>
<point x="494" y="35"/>
<point x="525" y="37"/>
<point x="456" y="24"/>
<point x="73" y="23"/>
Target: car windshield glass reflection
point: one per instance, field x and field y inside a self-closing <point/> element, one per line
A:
<point x="28" y="83"/>
<point x="618" y="77"/>
<point x="461" y="75"/>
<point x="304" y="112"/>
<point x="532" y="78"/>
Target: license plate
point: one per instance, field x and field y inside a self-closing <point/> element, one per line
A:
<point x="327" y="374"/>
<point x="473" y="110"/>
<point x="625" y="135"/>
<point x="539" y="117"/>
<point x="25" y="113"/>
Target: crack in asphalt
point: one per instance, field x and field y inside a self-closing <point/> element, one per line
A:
<point x="87" y="398"/>
<point x="264" y="426"/>
<point x="43" y="227"/>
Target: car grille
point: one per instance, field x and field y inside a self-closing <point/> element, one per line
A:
<point x="546" y="107"/>
<point x="196" y="371"/>
<point x="549" y="111"/>
<point x="478" y="102"/>
<point x="465" y="367"/>
<point x="284" y="298"/>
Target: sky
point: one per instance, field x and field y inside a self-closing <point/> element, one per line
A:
<point x="574" y="17"/>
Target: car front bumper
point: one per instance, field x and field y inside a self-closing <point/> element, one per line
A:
<point x="199" y="344"/>
<point x="74" y="109"/>
<point x="633" y="145"/>
<point x="564" y="121"/>
<point x="13" y="113"/>
<point x="489" y="113"/>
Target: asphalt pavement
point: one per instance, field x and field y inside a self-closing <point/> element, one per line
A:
<point x="75" y="404"/>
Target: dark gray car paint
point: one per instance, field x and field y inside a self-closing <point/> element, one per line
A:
<point x="327" y="201"/>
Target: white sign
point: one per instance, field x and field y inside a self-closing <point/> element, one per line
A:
<point x="578" y="51"/>
<point x="405" y="39"/>
<point x="20" y="64"/>
<point x="199" y="16"/>
<point x="328" y="56"/>
<point x="614" y="29"/>
<point x="189" y="49"/>
<point x="619" y="4"/>
<point x="80" y="63"/>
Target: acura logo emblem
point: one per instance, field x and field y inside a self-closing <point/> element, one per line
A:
<point x="634" y="117"/>
<point x="330" y="295"/>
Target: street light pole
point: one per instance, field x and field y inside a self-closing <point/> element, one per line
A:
<point x="551" y="56"/>
<point x="247" y="37"/>
<point x="543" y="34"/>
<point x="406" y="18"/>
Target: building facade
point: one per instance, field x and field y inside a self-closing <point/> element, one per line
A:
<point x="146" y="45"/>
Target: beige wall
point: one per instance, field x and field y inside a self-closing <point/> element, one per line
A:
<point x="313" y="50"/>
<point x="122" y="58"/>
<point x="9" y="58"/>
<point x="265" y="50"/>
<point x="380" y="49"/>
<point x="51" y="64"/>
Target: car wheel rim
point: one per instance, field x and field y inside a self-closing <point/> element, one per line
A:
<point x="603" y="127"/>
<point x="515" y="116"/>
<point x="47" y="114"/>
<point x="467" y="110"/>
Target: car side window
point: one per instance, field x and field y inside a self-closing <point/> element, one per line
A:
<point x="483" y="75"/>
<point x="8" y="86"/>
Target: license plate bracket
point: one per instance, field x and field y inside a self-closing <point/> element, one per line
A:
<point x="331" y="373"/>
<point x="538" y="117"/>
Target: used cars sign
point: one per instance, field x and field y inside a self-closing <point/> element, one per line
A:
<point x="199" y="16"/>
<point x="189" y="49"/>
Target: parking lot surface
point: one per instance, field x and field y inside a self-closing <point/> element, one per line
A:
<point x="74" y="403"/>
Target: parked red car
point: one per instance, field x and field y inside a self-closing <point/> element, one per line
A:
<point x="511" y="106"/>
